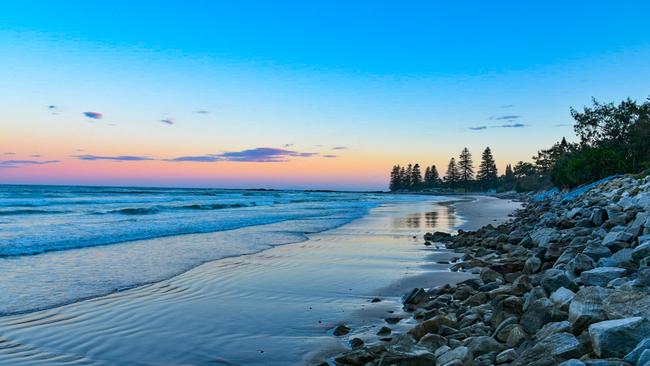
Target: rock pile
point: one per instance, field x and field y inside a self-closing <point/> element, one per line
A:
<point x="565" y="283"/>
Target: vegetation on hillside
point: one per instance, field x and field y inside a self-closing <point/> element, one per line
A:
<point x="613" y="139"/>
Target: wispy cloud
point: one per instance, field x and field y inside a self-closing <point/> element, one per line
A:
<point x="563" y="125"/>
<point x="507" y="117"/>
<point x="287" y="145"/>
<point x="509" y="125"/>
<point x="328" y="156"/>
<point x="169" y="121"/>
<point x="19" y="163"/>
<point x="9" y="153"/>
<point x="257" y="155"/>
<point x="113" y="158"/>
<point x="507" y="106"/>
<point x="340" y="148"/>
<point x="53" y="109"/>
<point x="93" y="115"/>
<point x="201" y="111"/>
<point x="35" y="156"/>
<point x="197" y="159"/>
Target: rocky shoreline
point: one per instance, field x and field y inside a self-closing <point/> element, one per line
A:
<point x="566" y="282"/>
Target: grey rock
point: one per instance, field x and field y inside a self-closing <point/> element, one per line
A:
<point x="641" y="251"/>
<point x="616" y="338"/>
<point x="506" y="356"/>
<point x="539" y="313"/>
<point x="553" y="279"/>
<point x="551" y="351"/>
<point x="572" y="362"/>
<point x="516" y="336"/>
<point x="461" y="354"/>
<point x="482" y="345"/>
<point x="599" y="216"/>
<point x="562" y="297"/>
<point x="615" y="236"/>
<point x="587" y="307"/>
<point x="601" y="276"/>
<point x="532" y="265"/>
<point x="416" y="296"/>
<point x="432" y="341"/>
<point x="633" y="356"/>
<point x="597" y="251"/>
<point x="644" y="359"/>
<point x="580" y="263"/>
<point x="553" y="328"/>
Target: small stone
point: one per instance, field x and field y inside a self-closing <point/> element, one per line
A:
<point x="587" y="308"/>
<point x="356" y="343"/>
<point x="416" y="296"/>
<point x="482" y="345"/>
<point x="532" y="265"/>
<point x="641" y="251"/>
<point x="597" y="251"/>
<point x="580" y="263"/>
<point x="383" y="331"/>
<point x="572" y="362"/>
<point x="341" y="330"/>
<point x="554" y="279"/>
<point x="432" y="341"/>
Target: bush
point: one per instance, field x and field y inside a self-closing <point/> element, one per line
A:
<point x="587" y="165"/>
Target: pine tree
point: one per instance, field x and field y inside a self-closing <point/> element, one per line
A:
<point x="435" y="177"/>
<point x="487" y="172"/>
<point x="403" y="178"/>
<point x="427" y="178"/>
<point x="510" y="175"/>
<point x="453" y="176"/>
<point x="408" y="174"/>
<point x="416" y="177"/>
<point x="465" y="166"/>
<point x="395" y="179"/>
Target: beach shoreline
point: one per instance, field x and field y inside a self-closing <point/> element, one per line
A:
<point x="192" y="306"/>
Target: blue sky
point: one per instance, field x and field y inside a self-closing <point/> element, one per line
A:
<point x="394" y="82"/>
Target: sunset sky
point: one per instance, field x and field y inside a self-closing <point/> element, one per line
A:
<point x="299" y="94"/>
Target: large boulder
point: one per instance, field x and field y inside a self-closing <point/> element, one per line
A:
<point x="551" y="351"/>
<point x="616" y="338"/>
<point x="553" y="279"/>
<point x="540" y="312"/>
<point x="633" y="356"/>
<point x="580" y="263"/>
<point x="461" y="354"/>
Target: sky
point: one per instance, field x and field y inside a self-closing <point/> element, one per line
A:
<point x="299" y="94"/>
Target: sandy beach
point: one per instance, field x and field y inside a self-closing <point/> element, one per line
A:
<point x="212" y="315"/>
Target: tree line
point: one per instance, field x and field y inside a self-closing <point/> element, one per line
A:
<point x="613" y="139"/>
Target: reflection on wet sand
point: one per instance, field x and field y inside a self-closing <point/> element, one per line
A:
<point x="440" y="218"/>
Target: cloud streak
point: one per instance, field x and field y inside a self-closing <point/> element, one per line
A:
<point x="340" y="148"/>
<point x="19" y="163"/>
<point x="93" y="115"/>
<point x="112" y="158"/>
<point x="257" y="155"/>
<point x="169" y="121"/>
<point x="507" y="117"/>
<point x="508" y="125"/>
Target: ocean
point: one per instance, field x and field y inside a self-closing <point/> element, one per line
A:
<point x="60" y="244"/>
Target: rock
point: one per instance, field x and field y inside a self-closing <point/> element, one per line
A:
<point x="431" y="326"/>
<point x="580" y="263"/>
<point x="432" y="341"/>
<point x="438" y="236"/>
<point x="358" y="357"/>
<point x="506" y="356"/>
<point x="616" y="236"/>
<point x="553" y="328"/>
<point x="416" y="296"/>
<point x="551" y="350"/>
<point x="542" y="237"/>
<point x="539" y="313"/>
<point x="597" y="251"/>
<point x="356" y="343"/>
<point x="482" y="345"/>
<point x="641" y="251"/>
<point x="644" y="359"/>
<point x="555" y="278"/>
<point x="644" y="278"/>
<point x="516" y="336"/>
<point x="616" y="338"/>
<point x="461" y="354"/>
<point x="587" y="308"/>
<point x="341" y="330"/>
<point x="532" y="265"/>
<point x="601" y="276"/>
<point x="384" y="331"/>
<point x="562" y="297"/>
<point x="488" y="275"/>
<point x="572" y="362"/>
<point x="599" y="216"/>
<point x="633" y="356"/>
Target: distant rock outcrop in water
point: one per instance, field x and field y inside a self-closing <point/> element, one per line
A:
<point x="565" y="283"/>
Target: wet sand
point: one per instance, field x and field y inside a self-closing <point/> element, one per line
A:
<point x="275" y="307"/>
